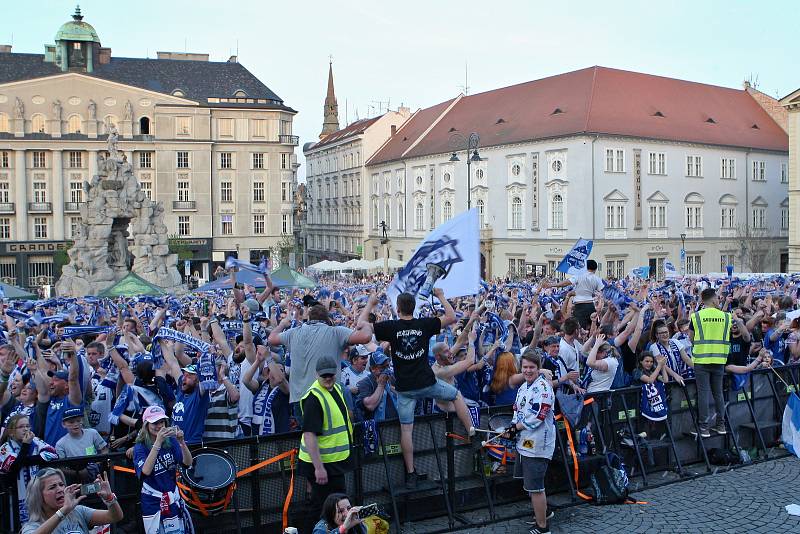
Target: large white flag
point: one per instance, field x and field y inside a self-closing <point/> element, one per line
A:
<point x="790" y="434"/>
<point x="455" y="247"/>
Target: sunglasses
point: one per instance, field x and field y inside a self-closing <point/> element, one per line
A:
<point x="327" y="375"/>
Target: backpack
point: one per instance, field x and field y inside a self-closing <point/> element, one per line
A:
<point x="610" y="482"/>
<point x="718" y="456"/>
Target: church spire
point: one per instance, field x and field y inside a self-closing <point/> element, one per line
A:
<point x="331" y="122"/>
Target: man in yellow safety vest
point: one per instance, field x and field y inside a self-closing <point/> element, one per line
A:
<point x="711" y="335"/>
<point x="324" y="456"/>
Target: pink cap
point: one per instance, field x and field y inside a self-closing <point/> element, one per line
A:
<point x="153" y="414"/>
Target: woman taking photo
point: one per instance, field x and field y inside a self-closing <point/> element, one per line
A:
<point x="158" y="451"/>
<point x="55" y="507"/>
<point x="17" y="444"/>
<point x="338" y="517"/>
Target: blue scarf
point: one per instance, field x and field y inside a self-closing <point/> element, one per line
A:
<point x="206" y="369"/>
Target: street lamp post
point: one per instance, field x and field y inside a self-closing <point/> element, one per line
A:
<point x="470" y="146"/>
<point x="683" y="254"/>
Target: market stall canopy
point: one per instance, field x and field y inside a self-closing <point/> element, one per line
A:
<point x="14" y="292"/>
<point x="327" y="265"/>
<point x="379" y="264"/>
<point x="132" y="285"/>
<point x="243" y="276"/>
<point x="356" y="265"/>
<point x="285" y="277"/>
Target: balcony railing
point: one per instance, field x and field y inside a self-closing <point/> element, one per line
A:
<point x="293" y="140"/>
<point x="180" y="205"/>
<point x="72" y="207"/>
<point x="7" y="207"/>
<point x="40" y="207"/>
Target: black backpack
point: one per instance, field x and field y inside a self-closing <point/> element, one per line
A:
<point x="610" y="482"/>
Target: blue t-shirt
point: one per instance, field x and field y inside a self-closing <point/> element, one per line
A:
<point x="778" y="346"/>
<point x="189" y="413"/>
<point x="467" y="383"/>
<point x="53" y="429"/>
<point x="164" y="473"/>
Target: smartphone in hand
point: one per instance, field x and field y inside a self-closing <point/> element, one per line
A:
<point x="90" y="489"/>
<point x="368" y="510"/>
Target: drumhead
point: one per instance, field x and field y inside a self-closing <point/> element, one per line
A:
<point x="212" y="469"/>
<point x="500" y="421"/>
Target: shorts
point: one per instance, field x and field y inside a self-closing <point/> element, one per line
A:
<point x="407" y="400"/>
<point x="531" y="470"/>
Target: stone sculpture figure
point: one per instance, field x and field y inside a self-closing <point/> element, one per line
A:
<point x="92" y="110"/>
<point x="128" y="112"/>
<point x="57" y="110"/>
<point x="19" y="109"/>
<point x="113" y="137"/>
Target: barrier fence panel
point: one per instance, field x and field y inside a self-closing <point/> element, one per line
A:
<point x="461" y="476"/>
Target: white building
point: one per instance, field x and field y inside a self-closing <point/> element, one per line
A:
<point x="632" y="161"/>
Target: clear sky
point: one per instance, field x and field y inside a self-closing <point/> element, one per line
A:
<point x="414" y="52"/>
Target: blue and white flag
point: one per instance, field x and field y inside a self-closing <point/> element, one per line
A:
<point x="574" y="262"/>
<point x="791" y="425"/>
<point x="669" y="270"/>
<point x="640" y="272"/>
<point x="454" y="246"/>
<point x="232" y="263"/>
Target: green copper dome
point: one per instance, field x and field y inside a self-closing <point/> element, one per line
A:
<point x="77" y="30"/>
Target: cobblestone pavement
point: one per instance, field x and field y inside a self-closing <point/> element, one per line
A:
<point x="746" y="500"/>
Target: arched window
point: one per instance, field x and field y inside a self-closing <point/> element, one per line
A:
<point x="5" y="125"/>
<point x="74" y="124"/>
<point x="401" y="216"/>
<point x="516" y="213"/>
<point x="694" y="210"/>
<point x="557" y="211"/>
<point x="376" y="217"/>
<point x="419" y="217"/>
<point x="447" y="211"/>
<point x="387" y="212"/>
<point x="481" y="213"/>
<point x="144" y="126"/>
<point x="38" y="124"/>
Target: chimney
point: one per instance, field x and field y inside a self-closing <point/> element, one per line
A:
<point x="394" y="129"/>
<point x="233" y="59"/>
<point x="5" y="49"/>
<point x="182" y="56"/>
<point x="104" y="55"/>
<point x="404" y="111"/>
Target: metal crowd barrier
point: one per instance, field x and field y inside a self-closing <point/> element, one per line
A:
<point x="459" y="478"/>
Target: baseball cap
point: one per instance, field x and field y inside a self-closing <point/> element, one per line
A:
<point x="252" y="305"/>
<point x="72" y="413"/>
<point x="153" y="414"/>
<point x="192" y="368"/>
<point x="378" y="358"/>
<point x="62" y="375"/>
<point x="552" y="340"/>
<point x="327" y="366"/>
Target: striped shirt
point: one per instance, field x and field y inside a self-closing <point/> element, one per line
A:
<point x="222" y="419"/>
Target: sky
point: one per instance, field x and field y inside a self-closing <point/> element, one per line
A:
<point x="418" y="53"/>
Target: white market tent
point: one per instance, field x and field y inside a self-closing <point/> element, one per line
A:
<point x="392" y="262"/>
<point x="327" y="265"/>
<point x="356" y="265"/>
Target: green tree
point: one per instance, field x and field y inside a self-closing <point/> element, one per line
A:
<point x="177" y="246"/>
<point x="61" y="258"/>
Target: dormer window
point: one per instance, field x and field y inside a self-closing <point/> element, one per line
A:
<point x="240" y="94"/>
<point x="178" y="92"/>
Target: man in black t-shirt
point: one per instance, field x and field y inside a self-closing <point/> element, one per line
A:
<point x="414" y="378"/>
<point x="740" y="342"/>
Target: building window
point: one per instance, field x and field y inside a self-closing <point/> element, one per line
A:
<point x="760" y="218"/>
<point x="694" y="264"/>
<point x="146" y="160"/>
<point x="5" y="125"/>
<point x="419" y="216"/>
<point x="38" y="124"/>
<point x="760" y="171"/>
<point x="447" y="211"/>
<point x="40" y="270"/>
<point x="4" y="160"/>
<point x="516" y="169"/>
<point x="285" y="160"/>
<point x="615" y="160"/>
<point x="728" y="217"/>
<point x="225" y="127"/>
<point x="40" y="191"/>
<point x="183" y="160"/>
<point x="227" y="224"/>
<point x="225" y="160"/>
<point x="259" y="128"/>
<point x="258" y="191"/>
<point x="5" y="193"/>
<point x="725" y="260"/>
<point x="615" y="269"/>
<point x="184" y="226"/>
<point x="784" y="218"/>
<point x="481" y="213"/>
<point x="258" y="160"/>
<point x="39" y="160"/>
<point x="375" y="215"/>
<point x="5" y="228"/>
<point x="516" y="213"/>
<point x="74" y="226"/>
<point x="728" y="169"/>
<point x="658" y="216"/>
<point x="286" y="226"/>
<point x="401" y="216"/>
<point x="74" y="124"/>
<point x="479" y="174"/>
<point x="658" y="163"/>
<point x="147" y="186"/>
<point x="40" y="227"/>
<point x="285" y="191"/>
<point x="258" y="224"/>
<point x="226" y="191"/>
<point x="784" y="173"/>
<point x="615" y="216"/>
<point x="184" y="190"/>
<point x="694" y="166"/>
<point x="557" y="211"/>
<point x="75" y="160"/>
<point x="183" y="125"/>
<point x="516" y="266"/>
<point x="76" y="192"/>
<point x="144" y="126"/>
<point x="694" y="216"/>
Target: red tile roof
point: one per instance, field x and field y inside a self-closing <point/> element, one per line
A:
<point x="594" y="100"/>
<point x="354" y="128"/>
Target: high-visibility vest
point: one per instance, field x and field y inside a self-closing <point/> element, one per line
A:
<point x="334" y="443"/>
<point x="712" y="335"/>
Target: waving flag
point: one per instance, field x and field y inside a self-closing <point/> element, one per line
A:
<point x="791" y="425"/>
<point x="575" y="260"/>
<point x="669" y="270"/>
<point x="640" y="272"/>
<point x="455" y="247"/>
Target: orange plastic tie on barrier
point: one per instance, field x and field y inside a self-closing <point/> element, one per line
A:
<point x="124" y="469"/>
<point x="575" y="459"/>
<point x="265" y="463"/>
<point x="291" y="490"/>
<point x="455" y="436"/>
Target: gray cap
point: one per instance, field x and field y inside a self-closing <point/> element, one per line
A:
<point x="253" y="305"/>
<point x="552" y="340"/>
<point x="327" y="366"/>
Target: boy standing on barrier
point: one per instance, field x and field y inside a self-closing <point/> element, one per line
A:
<point x="535" y="433"/>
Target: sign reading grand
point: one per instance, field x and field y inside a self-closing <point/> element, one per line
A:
<point x="33" y="246"/>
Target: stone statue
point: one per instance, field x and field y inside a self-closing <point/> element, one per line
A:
<point x="57" y="110"/>
<point x="113" y="137"/>
<point x="92" y="110"/>
<point x="19" y="109"/>
<point x="128" y="112"/>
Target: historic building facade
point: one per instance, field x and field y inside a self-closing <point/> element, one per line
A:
<point x="335" y="196"/>
<point x="207" y="139"/>
<point x="641" y="164"/>
<point x="792" y="104"/>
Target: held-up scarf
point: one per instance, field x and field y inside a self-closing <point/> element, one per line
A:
<point x="206" y="369"/>
<point x="71" y="332"/>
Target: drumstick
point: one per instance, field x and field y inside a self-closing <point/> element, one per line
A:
<point x="498" y="436"/>
<point x="489" y="431"/>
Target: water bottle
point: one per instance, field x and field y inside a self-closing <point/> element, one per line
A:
<point x="583" y="442"/>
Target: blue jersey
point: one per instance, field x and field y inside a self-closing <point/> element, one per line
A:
<point x="163" y="476"/>
<point x="189" y="413"/>
<point x="53" y="429"/>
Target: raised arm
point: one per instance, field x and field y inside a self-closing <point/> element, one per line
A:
<point x="449" y="314"/>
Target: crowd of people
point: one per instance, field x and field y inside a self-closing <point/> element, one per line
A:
<point x="156" y="376"/>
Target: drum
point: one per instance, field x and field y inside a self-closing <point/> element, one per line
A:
<point x="503" y="450"/>
<point x="208" y="485"/>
